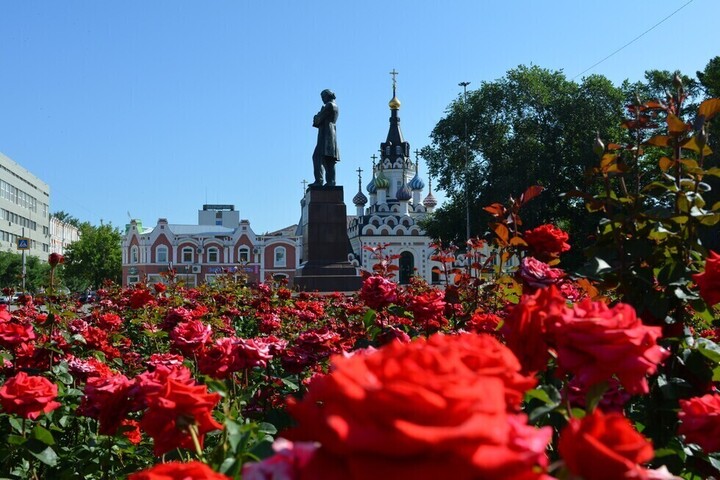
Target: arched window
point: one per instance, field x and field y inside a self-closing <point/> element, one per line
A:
<point x="188" y="255"/>
<point x="280" y="259"/>
<point x="213" y="255"/>
<point x="244" y="255"/>
<point x="161" y="254"/>
<point x="134" y="254"/>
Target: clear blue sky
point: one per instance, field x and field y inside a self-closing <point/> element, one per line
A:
<point x="156" y="107"/>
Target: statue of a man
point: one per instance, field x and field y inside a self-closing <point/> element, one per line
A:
<point x="326" y="152"/>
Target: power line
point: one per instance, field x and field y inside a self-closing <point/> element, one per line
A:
<point x="634" y="39"/>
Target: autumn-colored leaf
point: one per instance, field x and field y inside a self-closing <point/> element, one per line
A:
<point x="495" y="209"/>
<point x="675" y="125"/>
<point x="665" y="163"/>
<point x="457" y="278"/>
<point x="691" y="144"/>
<point x="502" y="232"/>
<point x="709" y="108"/>
<point x="588" y="288"/>
<point x="614" y="146"/>
<point x="659" y="141"/>
<point x="518" y="242"/>
<point x="531" y="193"/>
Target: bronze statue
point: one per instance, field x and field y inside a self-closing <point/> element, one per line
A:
<point x="326" y="152"/>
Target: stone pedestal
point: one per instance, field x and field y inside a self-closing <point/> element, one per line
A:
<point x="326" y="246"/>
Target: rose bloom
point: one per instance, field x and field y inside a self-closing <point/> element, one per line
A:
<point x="54" y="259"/>
<point x="193" y="470"/>
<point x="537" y="274"/>
<point x="107" y="400"/>
<point x="13" y="333"/>
<point x="700" y="417"/>
<point x="190" y="336"/>
<point x="483" y="322"/>
<point x="604" y="446"/>
<point x="547" y="240"/>
<point x="595" y="342"/>
<point x="526" y="327"/>
<point x="159" y="287"/>
<point x="28" y="396"/>
<point x="378" y="292"/>
<point x="709" y="280"/>
<point x="421" y="410"/>
<point x="173" y="410"/>
<point x="139" y="297"/>
<point x="131" y="430"/>
<point x="288" y="462"/>
<point x="428" y="309"/>
<point x="109" y="321"/>
<point x="221" y="359"/>
<point x="252" y="352"/>
<point x="149" y="385"/>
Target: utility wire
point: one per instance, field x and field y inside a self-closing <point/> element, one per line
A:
<point x="634" y="39"/>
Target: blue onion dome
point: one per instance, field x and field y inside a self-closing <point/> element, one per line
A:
<point x="430" y="201"/>
<point x="404" y="193"/>
<point x="416" y="183"/>
<point x="360" y="199"/>
<point x="381" y="181"/>
<point x="371" y="187"/>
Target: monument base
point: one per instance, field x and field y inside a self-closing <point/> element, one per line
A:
<point x="325" y="267"/>
<point x="328" y="277"/>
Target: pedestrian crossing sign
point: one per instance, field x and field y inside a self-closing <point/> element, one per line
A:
<point x="23" y="243"/>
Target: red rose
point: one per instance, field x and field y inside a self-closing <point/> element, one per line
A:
<point x="288" y="462"/>
<point x="178" y="471"/>
<point x="108" y="400"/>
<point x="159" y="287"/>
<point x="140" y="297"/>
<point x="149" y="385"/>
<point x="110" y="321"/>
<point x="603" y="446"/>
<point x="174" y="411"/>
<point x="546" y="241"/>
<point x="526" y="327"/>
<point x="700" y="417"/>
<point x="709" y="280"/>
<point x="252" y="352"/>
<point x="421" y="410"/>
<point x="595" y="342"/>
<point x="13" y="333"/>
<point x="221" y="359"/>
<point x="28" y="396"/>
<point x="482" y="322"/>
<point x="190" y="336"/>
<point x="378" y="292"/>
<point x="428" y="309"/>
<point x="54" y="259"/>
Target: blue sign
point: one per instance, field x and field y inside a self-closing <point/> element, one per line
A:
<point x="23" y="243"/>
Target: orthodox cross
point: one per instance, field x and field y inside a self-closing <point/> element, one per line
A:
<point x="304" y="184"/>
<point x="417" y="159"/>
<point x="359" y="170"/>
<point x="394" y="80"/>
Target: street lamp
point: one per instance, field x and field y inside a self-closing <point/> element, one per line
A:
<point x="467" y="165"/>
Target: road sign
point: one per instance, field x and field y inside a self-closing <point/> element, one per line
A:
<point x="23" y="243"/>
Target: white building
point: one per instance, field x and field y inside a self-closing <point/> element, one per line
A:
<point x="24" y="209"/>
<point x="62" y="234"/>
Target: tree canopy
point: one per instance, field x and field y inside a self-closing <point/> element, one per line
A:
<point x="531" y="127"/>
<point x="94" y="258"/>
<point x="37" y="272"/>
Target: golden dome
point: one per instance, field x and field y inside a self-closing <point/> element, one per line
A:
<point x="394" y="104"/>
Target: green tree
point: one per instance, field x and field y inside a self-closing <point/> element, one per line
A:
<point x="66" y="217"/>
<point x="94" y="258"/>
<point x="37" y="272"/>
<point x="531" y="127"/>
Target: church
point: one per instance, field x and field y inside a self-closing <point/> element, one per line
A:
<point x="391" y="214"/>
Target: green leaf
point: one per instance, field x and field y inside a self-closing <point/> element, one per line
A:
<point x="16" y="439"/>
<point x="46" y="456"/>
<point x="41" y="434"/>
<point x="369" y="318"/>
<point x="709" y="349"/>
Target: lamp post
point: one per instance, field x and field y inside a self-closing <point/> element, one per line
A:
<point x="467" y="188"/>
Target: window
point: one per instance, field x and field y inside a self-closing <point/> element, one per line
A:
<point x="187" y="255"/>
<point x="134" y="254"/>
<point x="280" y="257"/>
<point x="161" y="254"/>
<point x="133" y="279"/>
<point x="213" y="255"/>
<point x="244" y="255"/>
